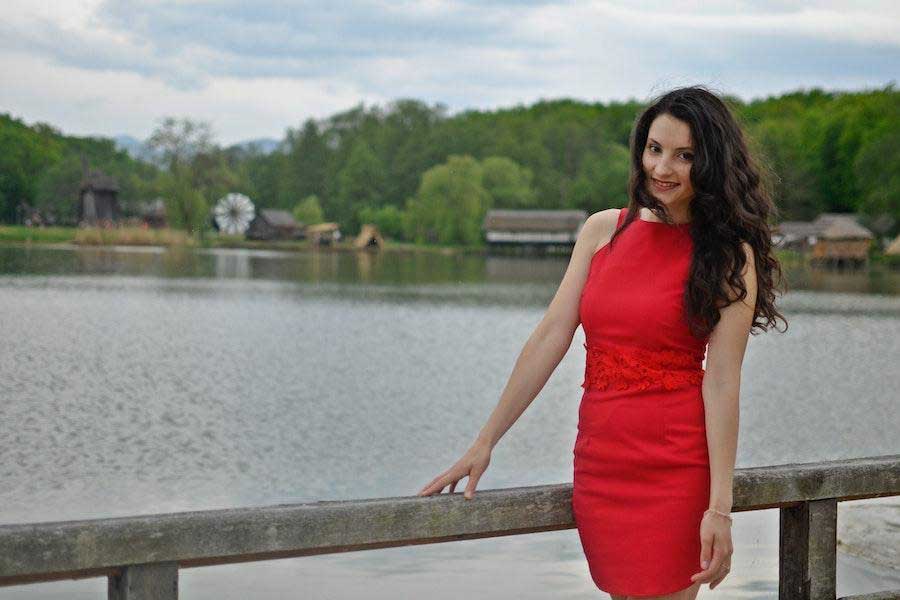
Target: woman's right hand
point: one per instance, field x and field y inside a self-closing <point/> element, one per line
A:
<point x="472" y="464"/>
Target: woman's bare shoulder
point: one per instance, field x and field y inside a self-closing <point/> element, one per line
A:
<point x="600" y="226"/>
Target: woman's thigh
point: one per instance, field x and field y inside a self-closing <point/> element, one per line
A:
<point x="688" y="593"/>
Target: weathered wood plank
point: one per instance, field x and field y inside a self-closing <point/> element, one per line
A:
<point x="68" y="550"/>
<point x="807" y="565"/>
<point x="156" y="581"/>
<point x="891" y="595"/>
<point x="823" y="549"/>
<point x="772" y="487"/>
<point x="793" y="553"/>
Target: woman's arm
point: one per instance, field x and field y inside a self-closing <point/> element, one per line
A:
<point x="721" y="390"/>
<point x="721" y="387"/>
<point x="540" y="355"/>
<point x="552" y="337"/>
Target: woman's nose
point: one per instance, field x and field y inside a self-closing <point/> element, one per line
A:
<point x="663" y="167"/>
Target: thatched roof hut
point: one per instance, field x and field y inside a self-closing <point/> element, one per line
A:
<point x="841" y="241"/>
<point x="833" y="238"/>
<point x="533" y="226"/>
<point x="893" y="249"/>
<point x="270" y="224"/>
<point x="369" y="237"/>
<point x="836" y="226"/>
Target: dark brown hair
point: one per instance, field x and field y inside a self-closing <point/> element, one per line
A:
<point x="731" y="205"/>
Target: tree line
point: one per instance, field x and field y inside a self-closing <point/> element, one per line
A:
<point x="423" y="175"/>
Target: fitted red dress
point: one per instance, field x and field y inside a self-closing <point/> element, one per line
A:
<point x="641" y="462"/>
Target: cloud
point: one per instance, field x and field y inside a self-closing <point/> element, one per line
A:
<point x="463" y="53"/>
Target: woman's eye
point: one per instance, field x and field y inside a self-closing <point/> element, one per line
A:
<point x="687" y="156"/>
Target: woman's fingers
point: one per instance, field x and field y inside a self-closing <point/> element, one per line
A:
<point x="472" y="465"/>
<point x="709" y="574"/>
<point x="723" y="572"/>
<point x="432" y="485"/>
<point x="427" y="489"/>
<point x="448" y="477"/>
<point x="474" y="476"/>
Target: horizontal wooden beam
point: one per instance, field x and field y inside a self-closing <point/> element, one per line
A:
<point x="75" y="549"/>
<point x="891" y="595"/>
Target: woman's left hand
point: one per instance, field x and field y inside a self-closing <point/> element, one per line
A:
<point x="715" y="550"/>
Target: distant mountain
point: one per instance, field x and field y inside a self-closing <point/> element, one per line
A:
<point x="137" y="149"/>
<point x="262" y="145"/>
<point x="133" y="146"/>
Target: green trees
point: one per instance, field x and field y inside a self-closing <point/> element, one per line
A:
<point x="450" y="203"/>
<point x="360" y="184"/>
<point x="602" y="179"/>
<point x="41" y="167"/>
<point x="507" y="183"/>
<point x="302" y="171"/>
<point x="453" y="198"/>
<point x="823" y="151"/>
<point x="877" y="169"/>
<point x="197" y="172"/>
<point x="388" y="219"/>
<point x="24" y="155"/>
<point x="308" y="211"/>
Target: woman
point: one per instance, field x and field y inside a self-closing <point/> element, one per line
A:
<point x="685" y="269"/>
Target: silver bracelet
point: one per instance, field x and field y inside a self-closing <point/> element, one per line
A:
<point x="720" y="513"/>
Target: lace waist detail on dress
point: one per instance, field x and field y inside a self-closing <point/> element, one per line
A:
<point x="621" y="367"/>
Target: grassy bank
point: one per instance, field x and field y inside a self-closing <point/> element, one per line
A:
<point x="119" y="236"/>
<point x="38" y="235"/>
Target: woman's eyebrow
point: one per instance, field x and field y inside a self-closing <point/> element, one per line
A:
<point x="682" y="148"/>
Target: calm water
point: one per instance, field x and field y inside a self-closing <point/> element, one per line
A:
<point x="139" y="381"/>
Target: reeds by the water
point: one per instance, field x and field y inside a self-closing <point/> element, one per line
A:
<point x="132" y="236"/>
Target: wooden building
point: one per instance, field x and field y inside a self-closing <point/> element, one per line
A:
<point x="269" y="224"/>
<point x="98" y="200"/>
<point x="795" y="235"/>
<point x="841" y="241"/>
<point x="832" y="239"/>
<point x="323" y="234"/>
<point x="533" y="227"/>
<point x="369" y="237"/>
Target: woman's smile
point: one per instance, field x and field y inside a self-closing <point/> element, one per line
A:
<point x="663" y="186"/>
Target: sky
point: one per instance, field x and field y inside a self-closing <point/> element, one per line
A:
<point x="255" y="69"/>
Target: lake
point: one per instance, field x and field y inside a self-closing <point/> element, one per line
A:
<point x="142" y="380"/>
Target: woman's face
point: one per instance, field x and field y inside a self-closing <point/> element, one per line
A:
<point x="667" y="159"/>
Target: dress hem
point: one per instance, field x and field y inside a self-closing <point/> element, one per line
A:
<point x="645" y="594"/>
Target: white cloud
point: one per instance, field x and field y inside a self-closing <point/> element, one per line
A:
<point x="254" y="69"/>
<point x="86" y="102"/>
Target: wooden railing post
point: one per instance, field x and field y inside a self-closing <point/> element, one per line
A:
<point x="807" y="563"/>
<point x="151" y="581"/>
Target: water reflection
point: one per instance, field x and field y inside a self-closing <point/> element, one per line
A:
<point x="361" y="267"/>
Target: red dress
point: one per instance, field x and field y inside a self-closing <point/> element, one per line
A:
<point x="641" y="462"/>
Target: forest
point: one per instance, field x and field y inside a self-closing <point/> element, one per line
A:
<point x="424" y="175"/>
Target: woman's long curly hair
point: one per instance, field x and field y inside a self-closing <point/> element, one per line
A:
<point x="731" y="205"/>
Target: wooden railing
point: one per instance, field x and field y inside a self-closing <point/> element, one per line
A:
<point x="141" y="555"/>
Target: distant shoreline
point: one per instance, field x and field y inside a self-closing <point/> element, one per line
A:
<point x="170" y="238"/>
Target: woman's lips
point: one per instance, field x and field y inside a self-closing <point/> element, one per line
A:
<point x="663" y="186"/>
